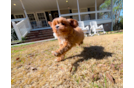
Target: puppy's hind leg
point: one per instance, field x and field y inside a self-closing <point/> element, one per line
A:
<point x="78" y="44"/>
<point x="81" y="43"/>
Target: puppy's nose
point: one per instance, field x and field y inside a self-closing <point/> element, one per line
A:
<point x="57" y="26"/>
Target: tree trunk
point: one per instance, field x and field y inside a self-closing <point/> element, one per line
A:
<point x="116" y="18"/>
<point x="118" y="15"/>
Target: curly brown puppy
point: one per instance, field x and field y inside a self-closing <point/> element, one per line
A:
<point x="68" y="33"/>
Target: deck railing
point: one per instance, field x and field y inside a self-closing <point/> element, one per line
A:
<point x="21" y="27"/>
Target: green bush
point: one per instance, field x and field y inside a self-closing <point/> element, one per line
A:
<point x="13" y="35"/>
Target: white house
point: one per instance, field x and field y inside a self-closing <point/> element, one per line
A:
<point x="29" y="15"/>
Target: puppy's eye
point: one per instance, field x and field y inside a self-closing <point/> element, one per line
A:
<point x="62" y="23"/>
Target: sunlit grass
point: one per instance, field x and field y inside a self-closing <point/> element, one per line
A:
<point x="33" y="65"/>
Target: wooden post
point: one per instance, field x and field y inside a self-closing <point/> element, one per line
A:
<point x="78" y="10"/>
<point x="26" y="14"/>
<point x="112" y="15"/>
<point x="58" y="8"/>
<point x="95" y="9"/>
<point x="23" y="8"/>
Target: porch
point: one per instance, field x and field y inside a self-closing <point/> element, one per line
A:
<point x="41" y="11"/>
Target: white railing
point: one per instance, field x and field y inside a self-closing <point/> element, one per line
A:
<point x="22" y="27"/>
<point x="99" y="21"/>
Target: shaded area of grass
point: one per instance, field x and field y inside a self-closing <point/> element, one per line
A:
<point x="96" y="52"/>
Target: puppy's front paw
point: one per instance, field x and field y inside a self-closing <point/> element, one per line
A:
<point x="54" y="53"/>
<point x="58" y="59"/>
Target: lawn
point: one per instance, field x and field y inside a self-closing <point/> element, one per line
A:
<point x="98" y="63"/>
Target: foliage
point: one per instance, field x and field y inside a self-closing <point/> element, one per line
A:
<point x="105" y="5"/>
<point x="117" y="7"/>
<point x="13" y="35"/>
<point x="121" y="19"/>
<point x="23" y="38"/>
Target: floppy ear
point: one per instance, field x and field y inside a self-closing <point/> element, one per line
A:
<point x="73" y="23"/>
<point x="50" y="23"/>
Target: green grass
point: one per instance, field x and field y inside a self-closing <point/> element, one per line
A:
<point x="53" y="40"/>
<point x="22" y="45"/>
<point x="15" y="41"/>
<point x="77" y="81"/>
<point x="16" y="51"/>
<point x="108" y="33"/>
<point x="117" y="33"/>
<point x="96" y="85"/>
<point x="105" y="80"/>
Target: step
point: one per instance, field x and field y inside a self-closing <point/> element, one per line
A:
<point x="45" y="34"/>
<point x="37" y="39"/>
<point x="42" y="38"/>
<point x="41" y="32"/>
<point x="48" y="34"/>
<point x="47" y="30"/>
<point x="39" y="36"/>
<point x="42" y="29"/>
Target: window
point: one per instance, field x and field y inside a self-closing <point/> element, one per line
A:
<point x="42" y="22"/>
<point x="32" y="20"/>
<point x="19" y="16"/>
<point x="31" y="17"/>
<point x="41" y="16"/>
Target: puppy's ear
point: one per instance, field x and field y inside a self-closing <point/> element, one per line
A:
<point x="73" y="22"/>
<point x="50" y="23"/>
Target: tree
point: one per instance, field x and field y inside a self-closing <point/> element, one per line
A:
<point x="117" y="7"/>
<point x="121" y="21"/>
<point x="105" y="5"/>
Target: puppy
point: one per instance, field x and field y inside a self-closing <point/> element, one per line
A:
<point x="68" y="34"/>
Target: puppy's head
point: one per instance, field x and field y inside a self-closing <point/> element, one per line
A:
<point x="62" y="26"/>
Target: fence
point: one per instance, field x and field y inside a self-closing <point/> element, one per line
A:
<point x="21" y="27"/>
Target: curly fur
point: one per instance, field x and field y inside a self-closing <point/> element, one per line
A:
<point x="68" y="33"/>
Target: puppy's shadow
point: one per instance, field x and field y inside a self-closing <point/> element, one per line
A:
<point x="96" y="52"/>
